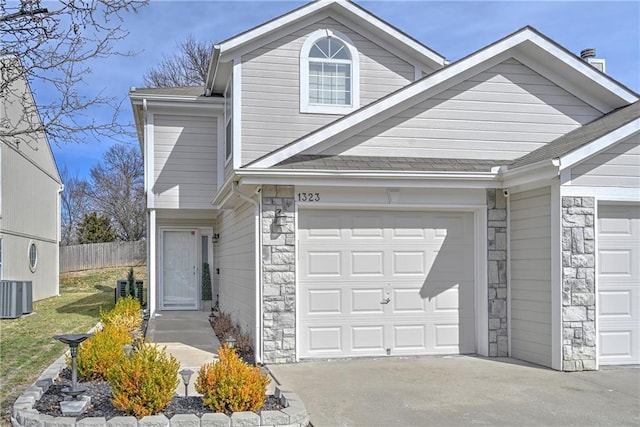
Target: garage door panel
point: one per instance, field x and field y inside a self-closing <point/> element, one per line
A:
<point x="615" y="262"/>
<point x="368" y="338"/>
<point x="426" y="273"/>
<point x="618" y="284"/>
<point x="618" y="346"/>
<point x="367" y="301"/>
<point x="367" y="227"/>
<point x="322" y="339"/>
<point x="409" y="337"/>
<point x="367" y="263"/>
<point x="324" y="263"/>
<point x="615" y="303"/>
<point x="407" y="300"/>
<point x="324" y="301"/>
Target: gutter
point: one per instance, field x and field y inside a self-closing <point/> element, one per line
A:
<point x="258" y="265"/>
<point x="372" y="174"/>
<point x="213" y="70"/>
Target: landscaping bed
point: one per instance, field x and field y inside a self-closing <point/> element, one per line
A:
<point x="100" y="406"/>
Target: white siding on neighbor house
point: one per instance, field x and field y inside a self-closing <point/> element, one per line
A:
<point x="531" y="276"/>
<point x="236" y="257"/>
<point x="15" y="264"/>
<point x="619" y="166"/>
<point x="185" y="156"/>
<point x="271" y="88"/>
<point x="29" y="213"/>
<point x="501" y="113"/>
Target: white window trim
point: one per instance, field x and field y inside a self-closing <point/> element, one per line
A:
<point x="228" y="155"/>
<point x="33" y="267"/>
<point x="305" y="107"/>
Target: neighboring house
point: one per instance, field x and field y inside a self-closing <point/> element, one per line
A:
<point x="358" y="196"/>
<point x="30" y="187"/>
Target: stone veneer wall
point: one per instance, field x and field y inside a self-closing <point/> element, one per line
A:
<point x="497" y="272"/>
<point x="578" y="284"/>
<point x="279" y="287"/>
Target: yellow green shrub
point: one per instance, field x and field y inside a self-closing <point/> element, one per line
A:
<point x="126" y="313"/>
<point x="103" y="350"/>
<point x="144" y="383"/>
<point x="231" y="385"/>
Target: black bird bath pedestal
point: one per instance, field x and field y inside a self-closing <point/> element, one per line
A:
<point x="73" y="407"/>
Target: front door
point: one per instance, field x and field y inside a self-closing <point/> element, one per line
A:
<point x="179" y="270"/>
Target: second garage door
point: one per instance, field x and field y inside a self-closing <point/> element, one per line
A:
<point x="619" y="284"/>
<point x="385" y="282"/>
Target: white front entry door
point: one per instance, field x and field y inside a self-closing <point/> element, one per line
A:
<point x="373" y="283"/>
<point x="179" y="270"/>
<point x="618" y="284"/>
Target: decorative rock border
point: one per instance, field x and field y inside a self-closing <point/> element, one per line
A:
<point x="294" y="413"/>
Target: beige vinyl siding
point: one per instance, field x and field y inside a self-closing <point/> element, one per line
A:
<point x="185" y="156"/>
<point x="530" y="252"/>
<point x="20" y="113"/>
<point x="15" y="264"/>
<point x="235" y="253"/>
<point x="501" y="113"/>
<point x="271" y="114"/>
<point x="619" y="166"/>
<point x="29" y="213"/>
<point x="29" y="197"/>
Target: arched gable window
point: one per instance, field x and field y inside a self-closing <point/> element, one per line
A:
<point x="329" y="74"/>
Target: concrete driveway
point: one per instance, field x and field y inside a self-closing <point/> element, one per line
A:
<point x="460" y="391"/>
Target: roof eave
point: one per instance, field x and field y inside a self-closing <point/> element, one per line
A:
<point x="369" y="178"/>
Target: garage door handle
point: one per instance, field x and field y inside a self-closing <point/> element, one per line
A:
<point x="385" y="301"/>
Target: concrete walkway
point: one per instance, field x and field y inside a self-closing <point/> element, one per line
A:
<point x="460" y="391"/>
<point x="188" y="336"/>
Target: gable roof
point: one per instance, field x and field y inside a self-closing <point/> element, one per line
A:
<point x="582" y="136"/>
<point x="527" y="45"/>
<point x="392" y="35"/>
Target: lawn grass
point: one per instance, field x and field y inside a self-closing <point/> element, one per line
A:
<point x="26" y="344"/>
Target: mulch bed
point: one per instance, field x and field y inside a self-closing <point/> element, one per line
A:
<point x="100" y="406"/>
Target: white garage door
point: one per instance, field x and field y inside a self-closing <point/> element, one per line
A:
<point x="619" y="284"/>
<point x="375" y="283"/>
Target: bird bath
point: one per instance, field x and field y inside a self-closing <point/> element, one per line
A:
<point x="75" y="406"/>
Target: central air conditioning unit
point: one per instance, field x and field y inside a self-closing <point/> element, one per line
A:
<point x="11" y="299"/>
<point x="27" y="296"/>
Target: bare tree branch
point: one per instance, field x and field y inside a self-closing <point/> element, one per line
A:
<point x="117" y="191"/>
<point x="188" y="67"/>
<point x="51" y="48"/>
<point x="75" y="204"/>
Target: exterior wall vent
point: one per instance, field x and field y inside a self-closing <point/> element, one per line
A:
<point x="588" y="53"/>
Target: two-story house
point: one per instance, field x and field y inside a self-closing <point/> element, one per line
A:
<point x="357" y="195"/>
<point x="30" y="187"/>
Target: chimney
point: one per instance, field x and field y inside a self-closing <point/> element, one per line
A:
<point x="588" y="55"/>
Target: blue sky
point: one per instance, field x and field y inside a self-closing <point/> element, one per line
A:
<point x="454" y="29"/>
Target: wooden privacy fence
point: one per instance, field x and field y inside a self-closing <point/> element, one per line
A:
<point x="101" y="255"/>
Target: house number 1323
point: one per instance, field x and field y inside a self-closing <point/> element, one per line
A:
<point x="308" y="197"/>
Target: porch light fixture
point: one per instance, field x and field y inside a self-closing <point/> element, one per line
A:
<point x="279" y="218"/>
<point x="186" y="377"/>
<point x="230" y="341"/>
<point x="215" y="238"/>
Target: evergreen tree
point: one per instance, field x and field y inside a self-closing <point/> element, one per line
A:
<point x="95" y="229"/>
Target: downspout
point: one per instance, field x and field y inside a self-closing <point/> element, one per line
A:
<point x="59" y="235"/>
<point x="258" y="265"/>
